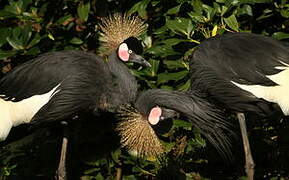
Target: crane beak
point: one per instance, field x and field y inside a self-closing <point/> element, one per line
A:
<point x="139" y="59"/>
<point x="168" y="114"/>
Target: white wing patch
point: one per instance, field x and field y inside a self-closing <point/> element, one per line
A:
<point x="15" y="113"/>
<point x="278" y="94"/>
<point x="5" y="121"/>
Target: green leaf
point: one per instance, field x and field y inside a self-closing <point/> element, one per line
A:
<point x="6" y="14"/>
<point x="280" y="35"/>
<point x="184" y="87"/>
<point x="83" y="11"/>
<point x="99" y="177"/>
<point x="115" y="155"/>
<point x="155" y="67"/>
<point x="15" y="43"/>
<point x="4" y="32"/>
<point x="64" y="19"/>
<point x="165" y="77"/>
<point x="162" y="50"/>
<point x="181" y="123"/>
<point x="173" y="41"/>
<point x="140" y="8"/>
<point x="33" y="51"/>
<point x="34" y="41"/>
<point x="174" y="10"/>
<point x="174" y="64"/>
<point x="246" y="9"/>
<point x="26" y="3"/>
<point x="197" y="6"/>
<point x="15" y="7"/>
<point x="254" y="1"/>
<point x="160" y="30"/>
<point x="92" y="170"/>
<point x="285" y="13"/>
<point x="6" y="54"/>
<point x="26" y="33"/>
<point x="130" y="177"/>
<point x="50" y="36"/>
<point x="232" y="22"/>
<point x="210" y="12"/>
<point x="197" y="18"/>
<point x="230" y="3"/>
<point x="182" y="26"/>
<point x="76" y="41"/>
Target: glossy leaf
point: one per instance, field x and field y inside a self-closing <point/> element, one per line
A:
<point x="181" y="26"/>
<point x="232" y="22"/>
<point x="6" y="54"/>
<point x="83" y="11"/>
<point x="174" y="10"/>
<point x="36" y="39"/>
<point x="76" y="41"/>
<point x="15" y="43"/>
<point x="285" y="12"/>
<point x="165" y="77"/>
<point x="280" y="35"/>
<point x="181" y="123"/>
<point x="140" y="7"/>
<point x="64" y="19"/>
<point x="174" y="64"/>
<point x="15" y="7"/>
<point x="4" y="33"/>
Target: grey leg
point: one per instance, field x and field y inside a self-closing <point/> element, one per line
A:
<point x="61" y="171"/>
<point x="249" y="159"/>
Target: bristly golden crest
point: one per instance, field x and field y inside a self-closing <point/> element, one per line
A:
<point x="137" y="135"/>
<point x="116" y="28"/>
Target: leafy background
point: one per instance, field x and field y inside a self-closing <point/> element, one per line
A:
<point x="31" y="27"/>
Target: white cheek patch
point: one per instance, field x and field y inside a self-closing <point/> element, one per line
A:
<point x="155" y="115"/>
<point x="123" y="53"/>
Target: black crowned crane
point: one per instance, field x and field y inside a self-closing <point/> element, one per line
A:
<point x="245" y="73"/>
<point x="57" y="86"/>
<point x="155" y="105"/>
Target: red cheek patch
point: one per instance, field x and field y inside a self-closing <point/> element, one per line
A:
<point x="155" y="115"/>
<point x="123" y="55"/>
<point x="123" y="52"/>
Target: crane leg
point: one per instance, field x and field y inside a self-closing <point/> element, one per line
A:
<point x="61" y="171"/>
<point x="248" y="156"/>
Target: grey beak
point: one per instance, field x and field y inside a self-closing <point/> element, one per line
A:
<point x="139" y="59"/>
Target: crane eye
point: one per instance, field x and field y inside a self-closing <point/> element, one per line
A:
<point x="129" y="51"/>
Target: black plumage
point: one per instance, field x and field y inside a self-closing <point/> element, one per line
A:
<point x="246" y="73"/>
<point x="58" y="85"/>
<point x="85" y="82"/>
<point x="192" y="105"/>
<point x="243" y="58"/>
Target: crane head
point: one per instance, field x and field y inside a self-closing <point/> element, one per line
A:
<point x="139" y="124"/>
<point x="129" y="51"/>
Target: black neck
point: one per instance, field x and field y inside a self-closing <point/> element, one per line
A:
<point x="126" y="81"/>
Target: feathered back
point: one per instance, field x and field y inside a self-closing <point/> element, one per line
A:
<point x="116" y="28"/>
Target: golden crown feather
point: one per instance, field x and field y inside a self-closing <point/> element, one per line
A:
<point x="118" y="27"/>
<point x="137" y="135"/>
